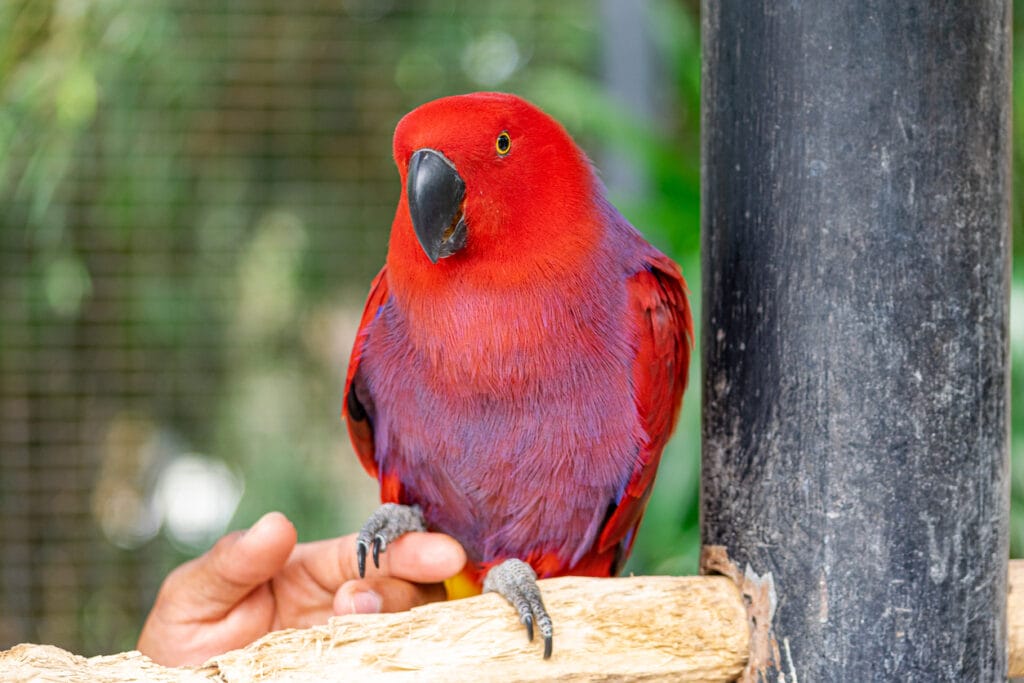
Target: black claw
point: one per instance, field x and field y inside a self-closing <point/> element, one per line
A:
<point x="516" y="581"/>
<point x="361" y="558"/>
<point x="385" y="525"/>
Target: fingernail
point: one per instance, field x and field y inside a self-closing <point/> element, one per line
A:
<point x="366" y="602"/>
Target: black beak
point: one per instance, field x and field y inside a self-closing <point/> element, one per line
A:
<point x="435" y="192"/>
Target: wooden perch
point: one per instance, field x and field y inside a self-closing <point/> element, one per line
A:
<point x="640" y="628"/>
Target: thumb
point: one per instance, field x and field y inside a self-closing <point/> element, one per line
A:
<point x="209" y="586"/>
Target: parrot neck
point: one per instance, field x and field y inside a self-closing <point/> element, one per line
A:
<point x="484" y="326"/>
<point x="522" y="279"/>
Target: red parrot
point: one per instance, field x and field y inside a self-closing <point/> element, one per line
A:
<point x="521" y="360"/>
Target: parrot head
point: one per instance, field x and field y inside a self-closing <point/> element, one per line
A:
<point x="487" y="178"/>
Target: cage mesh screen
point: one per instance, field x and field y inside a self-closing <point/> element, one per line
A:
<point x="195" y="196"/>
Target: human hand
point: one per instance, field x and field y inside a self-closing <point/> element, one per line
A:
<point x="260" y="580"/>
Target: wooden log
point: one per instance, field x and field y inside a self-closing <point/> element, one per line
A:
<point x="28" y="662"/>
<point x="639" y="628"/>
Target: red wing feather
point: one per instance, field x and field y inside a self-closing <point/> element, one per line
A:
<point x="354" y="409"/>
<point x="664" y="328"/>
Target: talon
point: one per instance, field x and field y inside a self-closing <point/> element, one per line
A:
<point x="516" y="581"/>
<point x="385" y="525"/>
<point x="378" y="544"/>
<point x="361" y="558"/>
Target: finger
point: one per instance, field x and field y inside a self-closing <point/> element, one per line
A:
<point x="421" y="557"/>
<point x="212" y="584"/>
<point x="384" y="594"/>
<point x="417" y="557"/>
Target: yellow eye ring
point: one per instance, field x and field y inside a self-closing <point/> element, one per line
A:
<point x="503" y="144"/>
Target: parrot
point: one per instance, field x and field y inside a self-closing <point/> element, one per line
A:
<point x="521" y="359"/>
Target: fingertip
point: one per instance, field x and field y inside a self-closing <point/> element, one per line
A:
<point x="443" y="552"/>
<point x="383" y="594"/>
<point x="272" y="534"/>
<point x="426" y="557"/>
<point x="356" y="597"/>
<point x="273" y="525"/>
<point x="254" y="555"/>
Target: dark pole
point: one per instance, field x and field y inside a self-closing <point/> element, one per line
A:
<point x="856" y="275"/>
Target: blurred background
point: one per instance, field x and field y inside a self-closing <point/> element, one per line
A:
<point x="195" y="196"/>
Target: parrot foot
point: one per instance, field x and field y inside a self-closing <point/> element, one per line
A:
<point x="517" y="582"/>
<point x="386" y="524"/>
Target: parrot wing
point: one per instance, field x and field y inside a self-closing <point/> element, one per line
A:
<point x="660" y="315"/>
<point x="357" y="408"/>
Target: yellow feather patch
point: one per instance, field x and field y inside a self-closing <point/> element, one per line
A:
<point x="461" y="586"/>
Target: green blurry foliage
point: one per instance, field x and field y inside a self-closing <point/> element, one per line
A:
<point x="196" y="196"/>
<point x="1017" y="294"/>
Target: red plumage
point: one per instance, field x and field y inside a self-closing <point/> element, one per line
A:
<point x="522" y="389"/>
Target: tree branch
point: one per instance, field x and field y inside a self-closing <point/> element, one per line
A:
<point x="638" y="628"/>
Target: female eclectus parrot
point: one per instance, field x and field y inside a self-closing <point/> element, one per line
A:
<point x="522" y="357"/>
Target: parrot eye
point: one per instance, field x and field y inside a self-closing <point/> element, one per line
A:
<point x="503" y="144"/>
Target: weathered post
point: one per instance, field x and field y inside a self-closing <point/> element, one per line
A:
<point x="856" y="245"/>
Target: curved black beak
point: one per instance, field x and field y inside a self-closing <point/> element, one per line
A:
<point x="435" y="191"/>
